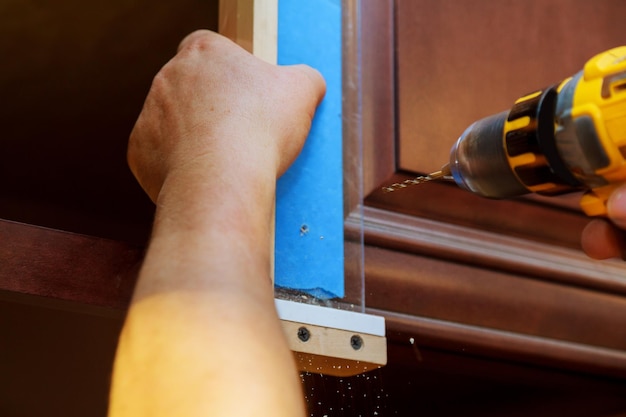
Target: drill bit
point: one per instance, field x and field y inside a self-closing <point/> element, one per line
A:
<point x="443" y="174"/>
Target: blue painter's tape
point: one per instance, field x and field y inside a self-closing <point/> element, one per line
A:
<point x="309" y="207"/>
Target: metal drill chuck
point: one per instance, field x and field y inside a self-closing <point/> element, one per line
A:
<point x="479" y="163"/>
<point x="513" y="152"/>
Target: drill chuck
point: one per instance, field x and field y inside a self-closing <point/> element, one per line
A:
<point x="479" y="163"/>
<point x="513" y="152"/>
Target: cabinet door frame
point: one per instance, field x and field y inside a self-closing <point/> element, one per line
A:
<point x="515" y="235"/>
<point x="439" y="231"/>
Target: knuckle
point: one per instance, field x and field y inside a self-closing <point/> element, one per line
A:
<point x="201" y="40"/>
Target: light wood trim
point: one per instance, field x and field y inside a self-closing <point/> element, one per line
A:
<point x="235" y="21"/>
<point x="265" y="34"/>
<point x="333" y="341"/>
<point x="253" y="24"/>
<point x="329" y="350"/>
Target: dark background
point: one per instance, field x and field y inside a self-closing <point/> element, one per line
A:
<point x="73" y="78"/>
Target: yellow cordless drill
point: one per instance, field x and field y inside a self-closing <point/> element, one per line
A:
<point x="567" y="137"/>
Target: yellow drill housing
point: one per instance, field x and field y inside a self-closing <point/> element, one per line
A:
<point x="568" y="137"/>
<point x="597" y="114"/>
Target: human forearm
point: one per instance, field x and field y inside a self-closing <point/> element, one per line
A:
<point x="212" y="301"/>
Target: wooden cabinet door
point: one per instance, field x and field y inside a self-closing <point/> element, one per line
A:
<point x="443" y="257"/>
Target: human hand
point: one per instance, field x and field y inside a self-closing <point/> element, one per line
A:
<point x="602" y="239"/>
<point x="217" y="128"/>
<point x="215" y="109"/>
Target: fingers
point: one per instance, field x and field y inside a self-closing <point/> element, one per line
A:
<point x="314" y="78"/>
<point x="196" y="36"/>
<point x="616" y="207"/>
<point x="213" y="90"/>
<point x="602" y="240"/>
<point x="206" y="36"/>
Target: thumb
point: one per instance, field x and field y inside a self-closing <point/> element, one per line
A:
<point x="601" y="240"/>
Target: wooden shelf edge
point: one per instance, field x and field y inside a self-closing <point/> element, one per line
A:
<point x="66" y="266"/>
<point x="479" y="341"/>
<point x="401" y="232"/>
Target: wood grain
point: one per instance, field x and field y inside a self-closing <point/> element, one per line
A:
<point x="494" y="314"/>
<point x="66" y="266"/>
<point x="459" y="61"/>
<point x="253" y="24"/>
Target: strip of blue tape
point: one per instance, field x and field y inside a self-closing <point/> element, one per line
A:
<point x="309" y="206"/>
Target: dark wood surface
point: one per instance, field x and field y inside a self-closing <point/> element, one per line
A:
<point x="72" y="82"/>
<point x="494" y="348"/>
<point x="498" y="314"/>
<point x="431" y="382"/>
<point x="458" y="62"/>
<point x="449" y="269"/>
<point x="65" y="266"/>
<point x="72" y="85"/>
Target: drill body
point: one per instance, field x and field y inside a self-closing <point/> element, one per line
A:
<point x="568" y="137"/>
